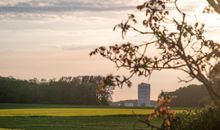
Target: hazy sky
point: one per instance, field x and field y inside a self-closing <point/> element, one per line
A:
<point x="53" y="38"/>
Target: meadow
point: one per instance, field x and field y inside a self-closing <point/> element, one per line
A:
<point x="43" y="117"/>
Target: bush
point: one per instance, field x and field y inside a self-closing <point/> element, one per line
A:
<point x="207" y="118"/>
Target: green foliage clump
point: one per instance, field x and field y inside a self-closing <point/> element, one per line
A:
<point x="206" y="118"/>
<point x="183" y="96"/>
<point x="161" y="112"/>
<point x="80" y="90"/>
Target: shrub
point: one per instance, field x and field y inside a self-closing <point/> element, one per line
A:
<point x="207" y="118"/>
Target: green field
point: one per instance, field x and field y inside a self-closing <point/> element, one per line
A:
<point x="41" y="117"/>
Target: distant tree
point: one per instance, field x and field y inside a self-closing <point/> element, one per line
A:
<point x="183" y="96"/>
<point x="104" y="92"/>
<point x="81" y="90"/>
<point x="215" y="77"/>
<point x="179" y="45"/>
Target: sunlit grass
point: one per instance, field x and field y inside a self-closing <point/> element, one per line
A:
<point x="73" y="112"/>
<point x="77" y="111"/>
<point x="56" y="117"/>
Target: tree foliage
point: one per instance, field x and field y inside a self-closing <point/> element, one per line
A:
<point x="206" y="118"/>
<point x="81" y="90"/>
<point x="183" y="96"/>
<point x="163" y="112"/>
<point x="179" y="45"/>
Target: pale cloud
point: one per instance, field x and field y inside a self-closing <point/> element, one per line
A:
<point x="48" y="6"/>
<point x="34" y="9"/>
<point x="53" y="9"/>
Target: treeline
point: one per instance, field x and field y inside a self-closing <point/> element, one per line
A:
<point x="81" y="90"/>
<point x="190" y="96"/>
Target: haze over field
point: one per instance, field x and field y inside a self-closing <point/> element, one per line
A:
<point x="53" y="38"/>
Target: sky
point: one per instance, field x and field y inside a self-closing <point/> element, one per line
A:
<point x="53" y="38"/>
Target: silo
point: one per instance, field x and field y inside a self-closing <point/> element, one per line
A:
<point x="144" y="94"/>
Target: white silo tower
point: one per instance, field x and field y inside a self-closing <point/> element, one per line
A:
<point x="144" y="94"/>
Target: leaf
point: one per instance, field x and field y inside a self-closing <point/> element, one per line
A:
<point x="102" y="48"/>
<point x="163" y="6"/>
<point x="140" y="7"/>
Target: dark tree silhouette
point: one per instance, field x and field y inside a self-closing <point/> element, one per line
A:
<point x="81" y="90"/>
<point x="179" y="45"/>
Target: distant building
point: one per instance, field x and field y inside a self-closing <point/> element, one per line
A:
<point x="143" y="98"/>
<point x="144" y="95"/>
<point x="125" y="103"/>
<point x="128" y="104"/>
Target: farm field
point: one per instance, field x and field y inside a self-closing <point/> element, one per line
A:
<point x="43" y="117"/>
<point x="65" y="123"/>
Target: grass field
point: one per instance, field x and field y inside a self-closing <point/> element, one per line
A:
<point x="73" y="112"/>
<point x="43" y="117"/>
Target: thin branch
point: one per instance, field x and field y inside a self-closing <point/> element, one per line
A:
<point x="141" y="32"/>
<point x="175" y="2"/>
